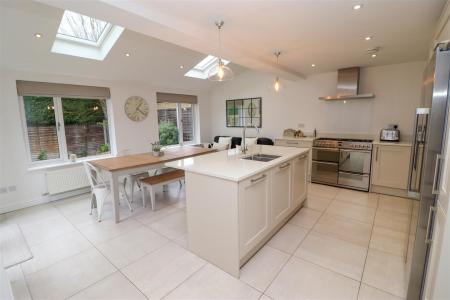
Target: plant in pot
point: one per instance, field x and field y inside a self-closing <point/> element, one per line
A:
<point x="156" y="149"/>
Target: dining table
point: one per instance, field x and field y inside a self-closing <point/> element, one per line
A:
<point x="118" y="166"/>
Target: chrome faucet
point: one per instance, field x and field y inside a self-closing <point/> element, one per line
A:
<point x="243" y="145"/>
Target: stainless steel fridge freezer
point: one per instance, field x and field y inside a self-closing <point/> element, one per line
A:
<point x="435" y="97"/>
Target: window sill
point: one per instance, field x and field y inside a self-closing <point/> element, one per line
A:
<point x="60" y="164"/>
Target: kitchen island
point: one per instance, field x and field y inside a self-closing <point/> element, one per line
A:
<point x="234" y="205"/>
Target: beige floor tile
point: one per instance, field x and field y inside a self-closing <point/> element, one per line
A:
<point x="388" y="240"/>
<point x="213" y="283"/>
<point x="113" y="287"/>
<point x="74" y="204"/>
<point x="393" y="220"/>
<point x="305" y="217"/>
<point x="265" y="297"/>
<point x="288" y="238"/>
<point x="182" y="241"/>
<point x="51" y="251"/>
<point x="300" y="279"/>
<point x="316" y="202"/>
<point x="337" y="255"/>
<point x="358" y="198"/>
<point x="356" y="212"/>
<point x="99" y="232"/>
<point x="367" y="292"/>
<point x="395" y="204"/>
<point x="48" y="228"/>
<point x="132" y="245"/>
<point x="322" y="190"/>
<point x="69" y="276"/>
<point x="18" y="283"/>
<point x="171" y="226"/>
<point x="32" y="214"/>
<point x="262" y="268"/>
<point x="148" y="216"/>
<point x="345" y="229"/>
<point x="386" y="272"/>
<point x="159" y="272"/>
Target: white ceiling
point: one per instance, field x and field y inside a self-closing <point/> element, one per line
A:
<point x="328" y="33"/>
<point x="152" y="61"/>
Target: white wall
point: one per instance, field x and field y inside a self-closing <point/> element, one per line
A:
<point x="396" y="87"/>
<point x="135" y="136"/>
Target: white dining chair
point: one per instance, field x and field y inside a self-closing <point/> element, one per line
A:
<point x="100" y="190"/>
<point x="133" y="179"/>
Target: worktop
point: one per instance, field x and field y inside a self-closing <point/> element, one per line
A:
<point x="384" y="143"/>
<point x="229" y="164"/>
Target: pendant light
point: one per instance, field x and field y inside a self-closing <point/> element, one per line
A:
<point x="220" y="72"/>
<point x="276" y="83"/>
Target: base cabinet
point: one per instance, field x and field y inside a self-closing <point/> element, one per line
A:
<point x="280" y="192"/>
<point x="390" y="166"/>
<point x="254" y="210"/>
<point x="299" y="180"/>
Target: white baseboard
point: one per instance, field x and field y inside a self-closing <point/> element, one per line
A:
<point x="41" y="200"/>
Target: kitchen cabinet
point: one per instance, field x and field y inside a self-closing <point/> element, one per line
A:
<point x="390" y="166"/>
<point x="280" y="191"/>
<point x="299" y="176"/>
<point x="305" y="142"/>
<point x="254" y="208"/>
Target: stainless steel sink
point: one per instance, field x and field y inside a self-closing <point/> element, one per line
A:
<point x="261" y="157"/>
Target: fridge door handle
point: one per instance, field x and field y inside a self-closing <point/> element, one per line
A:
<point x="428" y="239"/>
<point x="436" y="180"/>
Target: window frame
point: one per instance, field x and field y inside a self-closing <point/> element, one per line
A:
<point x="61" y="134"/>
<point x="181" y="142"/>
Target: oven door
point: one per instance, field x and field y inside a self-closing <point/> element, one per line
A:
<point x="324" y="172"/>
<point x="355" y="161"/>
<point x="325" y="154"/>
<point x="355" y="181"/>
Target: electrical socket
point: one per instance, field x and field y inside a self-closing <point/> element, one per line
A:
<point x="301" y="125"/>
<point x="3" y="190"/>
<point x="12" y="188"/>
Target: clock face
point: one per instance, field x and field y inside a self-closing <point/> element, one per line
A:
<point x="136" y="108"/>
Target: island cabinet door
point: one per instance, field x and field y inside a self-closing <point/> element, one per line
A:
<point x="254" y="217"/>
<point x="299" y="176"/>
<point x="280" y="192"/>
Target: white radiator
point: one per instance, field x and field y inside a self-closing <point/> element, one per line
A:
<point x="67" y="179"/>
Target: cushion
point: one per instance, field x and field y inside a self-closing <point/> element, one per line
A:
<point x="220" y="147"/>
<point x="225" y="140"/>
<point x="250" y="141"/>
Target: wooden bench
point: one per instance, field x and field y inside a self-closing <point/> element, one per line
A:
<point x="157" y="180"/>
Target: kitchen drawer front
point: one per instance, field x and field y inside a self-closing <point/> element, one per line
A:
<point x="324" y="172"/>
<point x="357" y="181"/>
<point x="293" y="143"/>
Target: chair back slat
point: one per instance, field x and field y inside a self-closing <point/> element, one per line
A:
<point x="94" y="176"/>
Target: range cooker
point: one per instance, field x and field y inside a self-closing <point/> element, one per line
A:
<point x="342" y="162"/>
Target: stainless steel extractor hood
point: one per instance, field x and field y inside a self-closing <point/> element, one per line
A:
<point x="348" y="86"/>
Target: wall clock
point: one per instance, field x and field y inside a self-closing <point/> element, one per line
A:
<point x="136" y="108"/>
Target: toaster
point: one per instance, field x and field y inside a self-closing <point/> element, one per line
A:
<point x="392" y="134"/>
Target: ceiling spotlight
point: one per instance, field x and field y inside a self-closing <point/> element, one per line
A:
<point x="357" y="6"/>
<point x="374" y="55"/>
<point x="181" y="67"/>
<point x="368" y="38"/>
<point x="127" y="54"/>
<point x="38" y="35"/>
<point x="313" y="65"/>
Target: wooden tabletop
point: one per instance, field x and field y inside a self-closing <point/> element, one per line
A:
<point x="147" y="159"/>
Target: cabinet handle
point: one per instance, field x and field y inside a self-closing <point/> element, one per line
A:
<point x="259" y="178"/>
<point x="376" y="155"/>
<point x="435" y="190"/>
<point x="302" y="157"/>
<point x="284" y="166"/>
<point x="428" y="240"/>
<point x="292" y="142"/>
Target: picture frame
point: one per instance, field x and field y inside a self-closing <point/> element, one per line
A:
<point x="244" y="112"/>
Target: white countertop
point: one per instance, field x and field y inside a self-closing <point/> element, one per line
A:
<point x="401" y="143"/>
<point x="291" y="138"/>
<point x="230" y="166"/>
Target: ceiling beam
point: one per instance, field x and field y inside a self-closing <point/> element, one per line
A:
<point x="148" y="21"/>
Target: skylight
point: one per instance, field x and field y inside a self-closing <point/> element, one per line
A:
<point x="82" y="27"/>
<point x="84" y="36"/>
<point x="202" y="68"/>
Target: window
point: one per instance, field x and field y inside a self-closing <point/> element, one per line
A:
<point x="84" y="36"/>
<point x="58" y="127"/>
<point x="202" y="68"/>
<point x="176" y="123"/>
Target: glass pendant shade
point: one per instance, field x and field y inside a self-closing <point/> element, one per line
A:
<point x="277" y="84"/>
<point x="220" y="72"/>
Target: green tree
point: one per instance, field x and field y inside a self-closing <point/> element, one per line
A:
<point x="168" y="133"/>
